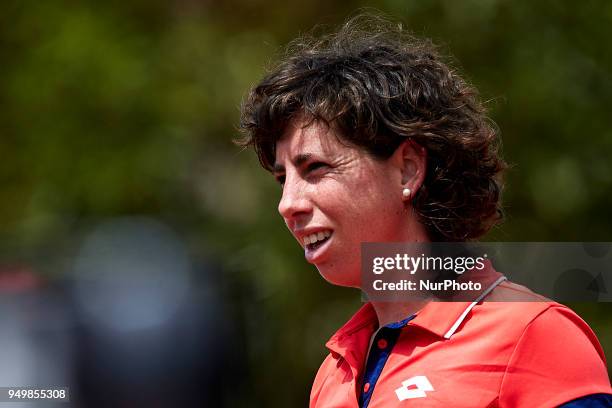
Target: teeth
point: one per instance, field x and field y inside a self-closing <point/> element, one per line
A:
<point x="319" y="236"/>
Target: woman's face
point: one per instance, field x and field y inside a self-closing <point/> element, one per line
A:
<point x="335" y="197"/>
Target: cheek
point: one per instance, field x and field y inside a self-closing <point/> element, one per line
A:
<point x="377" y="200"/>
<point x="336" y="198"/>
<point x="380" y="215"/>
<point x="360" y="200"/>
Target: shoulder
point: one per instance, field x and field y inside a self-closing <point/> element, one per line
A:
<point x="554" y="356"/>
<point x="508" y="291"/>
<point x="333" y="383"/>
<point x="530" y="322"/>
<point x="515" y="310"/>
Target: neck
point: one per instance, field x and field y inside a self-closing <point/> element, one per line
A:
<point x="398" y="309"/>
<point x="391" y="312"/>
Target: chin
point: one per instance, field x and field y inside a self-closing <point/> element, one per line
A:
<point x="338" y="278"/>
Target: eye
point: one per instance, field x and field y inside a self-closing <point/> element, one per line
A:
<point x="280" y="179"/>
<point x="315" y="166"/>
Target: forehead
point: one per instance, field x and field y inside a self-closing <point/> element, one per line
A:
<point x="314" y="138"/>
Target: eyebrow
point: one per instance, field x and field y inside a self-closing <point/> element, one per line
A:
<point x="297" y="162"/>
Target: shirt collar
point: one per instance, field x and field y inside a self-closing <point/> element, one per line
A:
<point x="351" y="340"/>
<point x="439" y="318"/>
<point x="364" y="319"/>
<point x="443" y="318"/>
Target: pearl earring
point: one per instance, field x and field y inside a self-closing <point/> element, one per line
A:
<point x="406" y="192"/>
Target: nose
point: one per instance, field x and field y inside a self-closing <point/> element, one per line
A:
<point x="294" y="202"/>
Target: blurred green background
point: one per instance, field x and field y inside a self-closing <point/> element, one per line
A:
<point x="129" y="107"/>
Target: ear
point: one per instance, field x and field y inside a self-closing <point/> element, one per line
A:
<point x="411" y="160"/>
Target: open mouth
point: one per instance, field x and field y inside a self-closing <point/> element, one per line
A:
<point x="312" y="247"/>
<point x="314" y="241"/>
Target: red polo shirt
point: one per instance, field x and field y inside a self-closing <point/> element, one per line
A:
<point x="528" y="353"/>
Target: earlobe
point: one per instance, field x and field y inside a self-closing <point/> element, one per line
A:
<point x="406" y="193"/>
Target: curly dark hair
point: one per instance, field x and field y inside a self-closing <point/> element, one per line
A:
<point x="376" y="86"/>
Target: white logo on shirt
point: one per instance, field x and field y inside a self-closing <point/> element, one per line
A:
<point x="414" y="387"/>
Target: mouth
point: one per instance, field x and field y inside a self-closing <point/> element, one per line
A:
<point x="314" y="244"/>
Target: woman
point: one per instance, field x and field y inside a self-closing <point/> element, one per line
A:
<point x="374" y="138"/>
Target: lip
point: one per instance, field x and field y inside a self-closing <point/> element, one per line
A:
<point x="313" y="256"/>
<point x="300" y="234"/>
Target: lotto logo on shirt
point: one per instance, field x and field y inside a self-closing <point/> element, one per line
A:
<point x="415" y="387"/>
